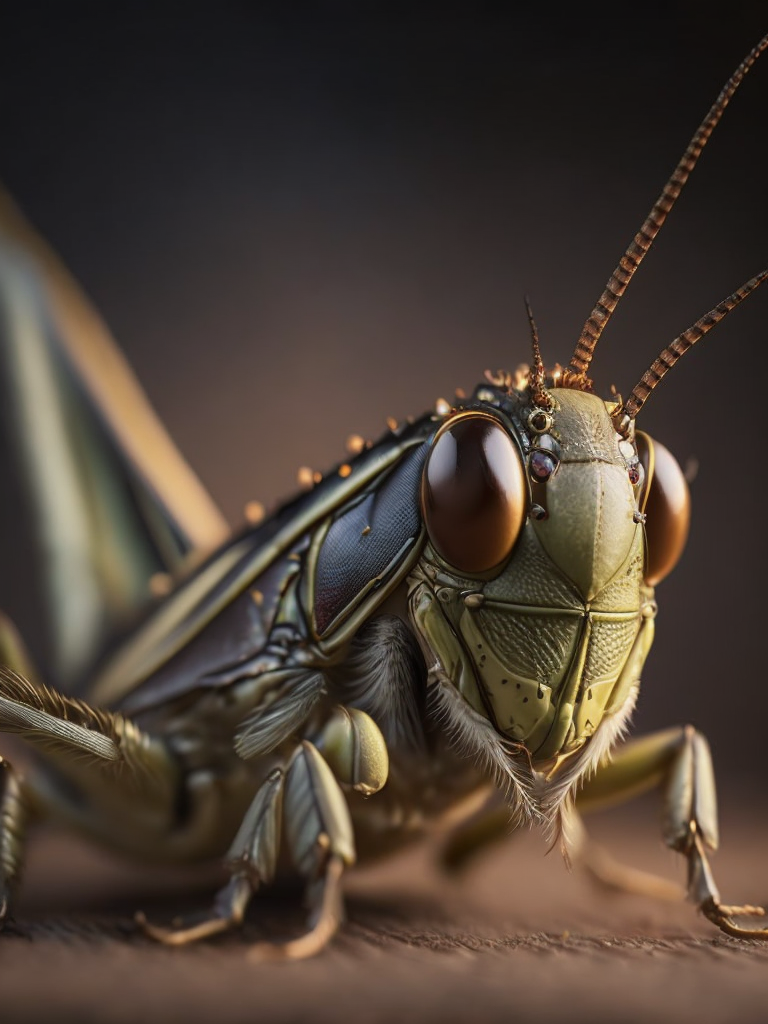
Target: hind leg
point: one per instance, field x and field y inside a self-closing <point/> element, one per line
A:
<point x="15" y="804"/>
<point x="14" y="814"/>
<point x="102" y="763"/>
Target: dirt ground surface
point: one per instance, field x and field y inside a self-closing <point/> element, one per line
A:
<point x="514" y="938"/>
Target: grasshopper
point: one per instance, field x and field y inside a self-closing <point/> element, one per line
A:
<point x="457" y="617"/>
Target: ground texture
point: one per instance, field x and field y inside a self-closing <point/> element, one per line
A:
<point x="514" y="938"/>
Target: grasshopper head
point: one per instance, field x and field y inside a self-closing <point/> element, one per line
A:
<point x="547" y="531"/>
<point x="505" y="465"/>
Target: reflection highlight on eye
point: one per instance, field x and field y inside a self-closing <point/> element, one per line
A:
<point x="474" y="496"/>
<point x="541" y="465"/>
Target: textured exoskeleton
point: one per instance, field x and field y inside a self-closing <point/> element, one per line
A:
<point x="461" y="610"/>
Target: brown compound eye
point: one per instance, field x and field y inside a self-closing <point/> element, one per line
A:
<point x="474" y="495"/>
<point x="665" y="500"/>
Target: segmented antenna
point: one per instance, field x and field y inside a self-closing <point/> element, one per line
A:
<point x="643" y="240"/>
<point x="676" y="349"/>
<point x="536" y="378"/>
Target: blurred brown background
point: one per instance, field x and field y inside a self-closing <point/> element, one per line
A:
<point x="300" y="219"/>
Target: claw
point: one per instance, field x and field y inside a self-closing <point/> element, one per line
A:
<point x="181" y="936"/>
<point x="329" y="915"/>
<point x="228" y="912"/>
<point x="721" y="915"/>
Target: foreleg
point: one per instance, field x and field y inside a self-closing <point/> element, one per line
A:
<point x="303" y="803"/>
<point x="252" y="860"/>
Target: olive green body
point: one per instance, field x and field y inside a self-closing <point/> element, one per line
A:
<point x="547" y="647"/>
<point x="462" y="608"/>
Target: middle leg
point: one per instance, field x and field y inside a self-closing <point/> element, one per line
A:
<point x="679" y="761"/>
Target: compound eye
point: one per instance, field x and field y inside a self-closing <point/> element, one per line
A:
<point x="665" y="499"/>
<point x="474" y="495"/>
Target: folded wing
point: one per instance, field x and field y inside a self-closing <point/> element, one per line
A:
<point x="113" y="502"/>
